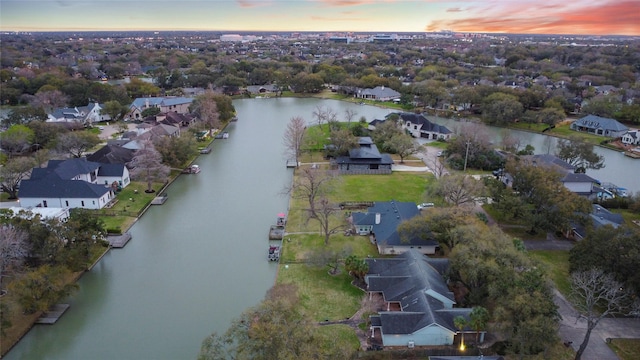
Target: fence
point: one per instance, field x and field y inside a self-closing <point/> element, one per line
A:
<point x="366" y="172"/>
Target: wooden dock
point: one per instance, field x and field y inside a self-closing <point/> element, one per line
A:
<point x="50" y="317"/>
<point x="292" y="163"/>
<point x="119" y="241"/>
<point x="276" y="232"/>
<point x="159" y="200"/>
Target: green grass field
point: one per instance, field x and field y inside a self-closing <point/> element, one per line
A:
<point x="556" y="263"/>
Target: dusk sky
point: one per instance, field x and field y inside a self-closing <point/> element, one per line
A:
<point x="595" y="17"/>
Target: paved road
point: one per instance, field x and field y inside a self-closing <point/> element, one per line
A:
<point x="573" y="328"/>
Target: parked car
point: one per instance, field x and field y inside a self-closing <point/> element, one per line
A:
<point x="425" y="206"/>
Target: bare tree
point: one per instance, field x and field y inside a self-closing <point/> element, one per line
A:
<point x="147" y="163"/>
<point x="596" y="295"/>
<point x="325" y="213"/>
<point x="206" y="109"/>
<point x="292" y="138"/>
<point x="459" y="189"/>
<point x="349" y="114"/>
<point x="324" y="115"/>
<point x="436" y="166"/>
<point x="13" y="172"/>
<point x="309" y="184"/>
<point x="13" y="247"/>
<point x="49" y="99"/>
<point x="510" y="142"/>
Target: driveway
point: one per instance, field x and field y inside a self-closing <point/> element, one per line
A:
<point x="111" y="129"/>
<point x="573" y="328"/>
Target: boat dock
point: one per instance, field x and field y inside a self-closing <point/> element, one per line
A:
<point x="50" y="317"/>
<point x="205" y="150"/>
<point x="159" y="200"/>
<point x="292" y="163"/>
<point x="119" y="241"/>
<point x="276" y="232"/>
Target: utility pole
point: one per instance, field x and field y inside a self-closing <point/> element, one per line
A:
<point x="466" y="156"/>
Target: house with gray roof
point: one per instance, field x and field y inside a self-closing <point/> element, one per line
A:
<point x="113" y="153"/>
<point x="365" y="159"/>
<point x="165" y="103"/>
<point x="598" y="218"/>
<point x="86" y="115"/>
<point x="379" y="93"/>
<point x="420" y="127"/>
<point x="599" y="126"/>
<point x="581" y="184"/>
<point x="381" y="222"/>
<point x="418" y="305"/>
<point x="73" y="183"/>
<point x="631" y="137"/>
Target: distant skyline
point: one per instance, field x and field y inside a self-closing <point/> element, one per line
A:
<point x="582" y="17"/>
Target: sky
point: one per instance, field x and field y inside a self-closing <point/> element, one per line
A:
<point x="577" y="17"/>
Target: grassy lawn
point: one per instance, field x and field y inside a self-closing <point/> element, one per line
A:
<point x="397" y="186"/>
<point x="131" y="201"/>
<point x="626" y="349"/>
<point x="333" y="297"/>
<point x="556" y="263"/>
<point x="323" y="296"/>
<point x="328" y="335"/>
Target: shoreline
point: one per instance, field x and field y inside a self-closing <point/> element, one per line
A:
<point x="77" y="276"/>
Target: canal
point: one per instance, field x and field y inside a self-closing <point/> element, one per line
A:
<point x="199" y="260"/>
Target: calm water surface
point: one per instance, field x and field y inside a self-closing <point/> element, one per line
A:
<point x="199" y="260"/>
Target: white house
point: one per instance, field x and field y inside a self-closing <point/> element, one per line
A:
<point x="87" y="115"/>
<point x="420" y="127"/>
<point x="632" y="137"/>
<point x="73" y="183"/>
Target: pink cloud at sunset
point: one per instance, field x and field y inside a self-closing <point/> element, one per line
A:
<point x="599" y="18"/>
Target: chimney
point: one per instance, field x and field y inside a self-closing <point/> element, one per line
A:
<point x="377" y="218"/>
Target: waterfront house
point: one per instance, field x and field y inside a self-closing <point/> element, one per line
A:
<point x="365" y="159"/>
<point x="73" y="183"/>
<point x="179" y="105"/>
<point x="632" y="137"/>
<point x="418" y="305"/>
<point x="381" y="222"/>
<point x="420" y="127"/>
<point x="379" y="93"/>
<point x="598" y="218"/>
<point x="599" y="126"/>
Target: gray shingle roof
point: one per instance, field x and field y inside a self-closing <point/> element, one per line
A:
<point x="65" y="169"/>
<point x="52" y="186"/>
<point x="427" y="125"/>
<point x="411" y="280"/>
<point x="597" y="122"/>
<point x="111" y="170"/>
<point x="392" y="214"/>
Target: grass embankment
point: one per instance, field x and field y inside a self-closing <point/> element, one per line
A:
<point x="626" y="349"/>
<point x="333" y="297"/>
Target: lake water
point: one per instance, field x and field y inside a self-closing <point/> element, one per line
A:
<point x="200" y="259"/>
